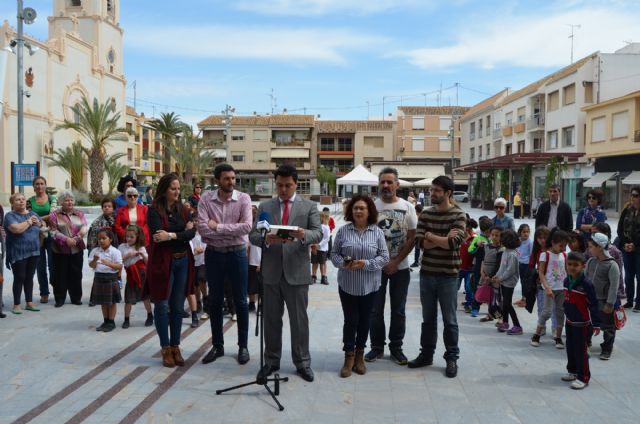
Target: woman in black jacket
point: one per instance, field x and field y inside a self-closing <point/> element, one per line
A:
<point x="629" y="242"/>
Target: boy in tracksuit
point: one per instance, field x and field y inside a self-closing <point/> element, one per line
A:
<point x="581" y="319"/>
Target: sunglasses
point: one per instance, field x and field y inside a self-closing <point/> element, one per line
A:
<point x="498" y="207"/>
<point x="132" y="196"/>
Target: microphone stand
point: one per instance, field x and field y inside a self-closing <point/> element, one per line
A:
<point x="262" y="381"/>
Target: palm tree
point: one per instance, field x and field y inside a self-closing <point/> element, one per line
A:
<point x="114" y="170"/>
<point x="97" y="123"/>
<point x="169" y="126"/>
<point x="73" y="160"/>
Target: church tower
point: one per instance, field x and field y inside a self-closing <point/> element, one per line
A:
<point x="96" y="22"/>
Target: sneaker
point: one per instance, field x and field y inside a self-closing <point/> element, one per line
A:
<point x="234" y="317"/>
<point x="398" y="357"/>
<point x="194" y="322"/>
<point x="452" y="368"/>
<point x="415" y="265"/>
<point x="149" y="321"/>
<point x="204" y="316"/>
<point x="515" y="331"/>
<point x="474" y="313"/>
<point x="422" y="360"/>
<point x="486" y="318"/>
<point x="374" y="354"/>
<point x="503" y="327"/>
<point x="578" y="385"/>
<point x="559" y="343"/>
<point x="467" y="309"/>
<point x="569" y="377"/>
<point x="252" y="306"/>
<point x="535" y="340"/>
<point x="605" y="356"/>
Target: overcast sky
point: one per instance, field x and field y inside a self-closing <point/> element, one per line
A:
<point x="333" y="56"/>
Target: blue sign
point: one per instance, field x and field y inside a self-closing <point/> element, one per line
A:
<point x="23" y="174"/>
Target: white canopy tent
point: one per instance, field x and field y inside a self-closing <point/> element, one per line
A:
<point x="360" y="176"/>
<point x="405" y="183"/>
<point x="425" y="182"/>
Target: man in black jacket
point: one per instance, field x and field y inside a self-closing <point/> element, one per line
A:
<point x="554" y="212"/>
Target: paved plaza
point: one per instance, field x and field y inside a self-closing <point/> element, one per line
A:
<point x="57" y="369"/>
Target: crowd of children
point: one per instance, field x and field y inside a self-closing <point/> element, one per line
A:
<point x="579" y="291"/>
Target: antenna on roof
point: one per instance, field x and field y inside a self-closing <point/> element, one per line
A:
<point x="572" y="36"/>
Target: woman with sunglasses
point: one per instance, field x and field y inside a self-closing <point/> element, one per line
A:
<point x="132" y="214"/>
<point x="629" y="240"/>
<point x="124" y="183"/>
<point x="591" y="214"/>
<point x="501" y="219"/>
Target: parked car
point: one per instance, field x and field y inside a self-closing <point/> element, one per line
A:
<point x="461" y="196"/>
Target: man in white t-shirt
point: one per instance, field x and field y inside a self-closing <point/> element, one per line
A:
<point x="397" y="219"/>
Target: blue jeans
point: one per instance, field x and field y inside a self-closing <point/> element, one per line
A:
<point x="168" y="313"/>
<point x="398" y="286"/>
<point x="235" y="266"/>
<point x="442" y="290"/>
<point x="631" y="261"/>
<point x="468" y="291"/>
<point x="45" y="259"/>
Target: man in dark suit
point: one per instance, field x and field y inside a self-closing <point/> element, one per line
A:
<point x="554" y="212"/>
<point x="286" y="272"/>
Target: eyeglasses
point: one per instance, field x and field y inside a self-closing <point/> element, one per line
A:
<point x="591" y="198"/>
<point x="132" y="196"/>
<point x="498" y="207"/>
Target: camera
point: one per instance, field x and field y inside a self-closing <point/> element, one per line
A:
<point x="27" y="93"/>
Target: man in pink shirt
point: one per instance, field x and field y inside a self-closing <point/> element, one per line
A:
<point x="224" y="221"/>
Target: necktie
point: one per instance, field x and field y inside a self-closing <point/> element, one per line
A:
<point x="285" y="212"/>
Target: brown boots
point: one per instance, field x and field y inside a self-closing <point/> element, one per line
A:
<point x="353" y="362"/>
<point x="171" y="356"/>
<point x="358" y="366"/>
<point x="348" y="364"/>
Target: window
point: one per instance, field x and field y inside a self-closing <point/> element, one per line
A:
<point x="472" y="131"/>
<point x="145" y="134"/>
<point x="304" y="186"/>
<point x="620" y="124"/>
<point x="327" y="144"/>
<point x="521" y="114"/>
<point x="568" y="137"/>
<point x="445" y="124"/>
<point x="537" y="145"/>
<point x="472" y="154"/>
<point x="237" y="156"/>
<point x="509" y="119"/>
<point x="569" y="94"/>
<point x="417" y="144"/>
<point x="588" y="91"/>
<point x="598" y="129"/>
<point x="488" y="124"/>
<point x="110" y="6"/>
<point x="444" y="144"/>
<point x="129" y="127"/>
<point x="237" y="135"/>
<point x="521" y="146"/>
<point x="508" y="149"/>
<point x="345" y="144"/>
<point x="418" y="123"/>
<point x="76" y="3"/>
<point x="553" y="101"/>
<point x="374" y="141"/>
<point x="76" y="114"/>
<point x="260" y="135"/>
<point x="129" y="154"/>
<point x="552" y="137"/>
<point x="480" y="128"/>
<point x="488" y="150"/>
<point x="479" y="152"/>
<point x="260" y="156"/>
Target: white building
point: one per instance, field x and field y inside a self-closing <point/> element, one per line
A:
<point x="545" y="119"/>
<point x="83" y="56"/>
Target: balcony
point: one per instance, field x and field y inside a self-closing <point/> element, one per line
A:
<point x="292" y="143"/>
<point x="497" y="133"/>
<point x="215" y="142"/>
<point x="519" y="127"/>
<point x="507" y="131"/>
<point x="535" y="122"/>
<point x="636" y="136"/>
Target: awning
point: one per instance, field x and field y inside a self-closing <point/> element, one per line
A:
<point x="598" y="179"/>
<point x="632" y="179"/>
<point x="517" y="161"/>
<point x="289" y="153"/>
<point x="405" y="183"/>
<point x="423" y="183"/>
<point x="360" y="176"/>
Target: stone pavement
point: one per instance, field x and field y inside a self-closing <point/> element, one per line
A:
<point x="56" y="369"/>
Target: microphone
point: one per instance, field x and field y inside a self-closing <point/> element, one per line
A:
<point x="263" y="223"/>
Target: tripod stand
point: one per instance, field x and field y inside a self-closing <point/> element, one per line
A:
<point x="262" y="381"/>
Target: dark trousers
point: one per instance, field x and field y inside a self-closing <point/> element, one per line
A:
<point x="523" y="271"/>
<point x="23" y="272"/>
<point x="168" y="313"/>
<point x="631" y="261"/>
<point x="507" y="307"/>
<point x="67" y="276"/>
<point x="236" y="266"/>
<point x="440" y="290"/>
<point x="608" y="327"/>
<point x="416" y="252"/>
<point x="398" y="286"/>
<point x="577" y="357"/>
<point x="46" y="260"/>
<point x="357" y="317"/>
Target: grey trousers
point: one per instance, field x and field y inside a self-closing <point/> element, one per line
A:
<point x="555" y="302"/>
<point x="296" y="297"/>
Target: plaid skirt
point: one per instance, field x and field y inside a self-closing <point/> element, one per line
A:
<point x="106" y="290"/>
<point x="136" y="279"/>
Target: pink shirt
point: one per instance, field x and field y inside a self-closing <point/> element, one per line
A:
<point x="233" y="217"/>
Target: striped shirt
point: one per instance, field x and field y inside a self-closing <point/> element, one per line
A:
<point x="233" y="217"/>
<point x="369" y="245"/>
<point x="439" y="261"/>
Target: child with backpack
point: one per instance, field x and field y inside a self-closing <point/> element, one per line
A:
<point x="552" y="271"/>
<point x="507" y="277"/>
<point x="540" y="245"/>
<point x="603" y="271"/>
<point x="476" y="248"/>
<point x="466" y="263"/>
<point x="490" y="263"/>
<point x="582" y="320"/>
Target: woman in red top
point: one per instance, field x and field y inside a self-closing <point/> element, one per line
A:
<point x="133" y="213"/>
<point x="466" y="264"/>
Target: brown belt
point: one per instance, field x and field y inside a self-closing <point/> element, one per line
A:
<point x="227" y="249"/>
<point x="179" y="255"/>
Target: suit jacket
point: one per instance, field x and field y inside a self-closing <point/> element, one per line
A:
<point x="292" y="258"/>
<point x="564" y="218"/>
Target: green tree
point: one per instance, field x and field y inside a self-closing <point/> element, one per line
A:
<point x="503" y="175"/>
<point x="327" y="179"/>
<point x="555" y="166"/>
<point x="114" y="170"/>
<point x="525" y="188"/>
<point x="477" y="186"/>
<point x="73" y="161"/>
<point x="169" y="126"/>
<point x="97" y="123"/>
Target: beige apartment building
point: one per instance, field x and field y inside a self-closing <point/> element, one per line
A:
<point x="613" y="146"/>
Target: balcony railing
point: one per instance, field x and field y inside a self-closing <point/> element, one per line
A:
<point x="519" y="127"/>
<point x="535" y="122"/>
<point x="507" y="131"/>
<point x="497" y="133"/>
<point x="292" y="143"/>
